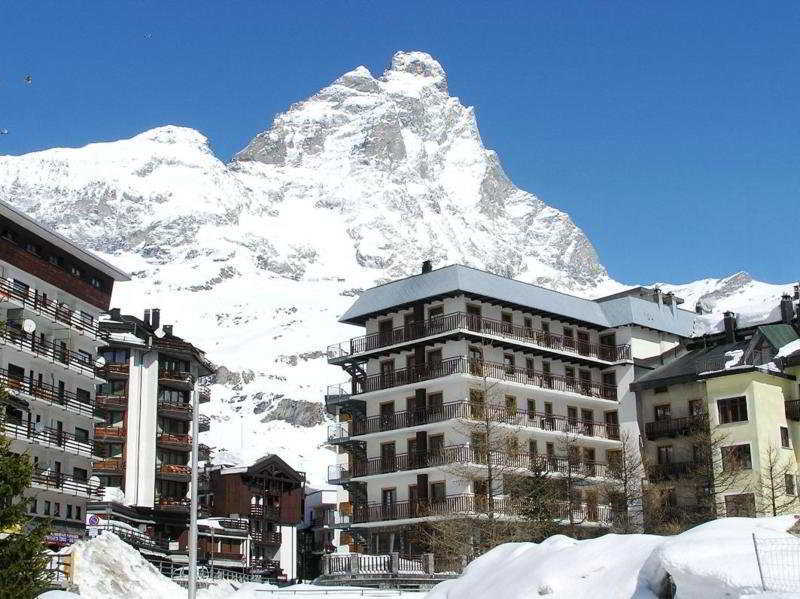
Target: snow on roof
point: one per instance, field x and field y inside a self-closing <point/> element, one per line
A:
<point x="789" y="349"/>
<point x="610" y="312"/>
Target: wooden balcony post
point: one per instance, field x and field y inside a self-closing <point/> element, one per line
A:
<point x="394" y="567"/>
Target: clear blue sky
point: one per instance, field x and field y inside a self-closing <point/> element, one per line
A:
<point x="669" y="131"/>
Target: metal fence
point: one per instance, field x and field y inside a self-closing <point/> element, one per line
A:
<point x="778" y="563"/>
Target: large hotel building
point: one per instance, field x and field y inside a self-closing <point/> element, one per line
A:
<point x="558" y="365"/>
<point x="52" y="294"/>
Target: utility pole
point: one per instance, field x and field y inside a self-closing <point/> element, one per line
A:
<point x="193" y="506"/>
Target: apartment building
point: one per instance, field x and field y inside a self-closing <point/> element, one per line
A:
<point x="143" y="440"/>
<point x="558" y="365"/>
<point x="268" y="495"/>
<point x="51" y="295"/>
<point x="721" y="422"/>
<point x="319" y="534"/>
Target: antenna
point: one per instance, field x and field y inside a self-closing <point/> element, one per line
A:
<point x="28" y="325"/>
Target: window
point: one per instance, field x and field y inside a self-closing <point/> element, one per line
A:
<point x="531" y="407"/>
<point x="115" y="356"/>
<point x="572" y="415"/>
<point x="34" y="506"/>
<point x="57" y="510"/>
<point x="75" y="271"/>
<point x="46" y="508"/>
<point x="507" y="319"/>
<point x="545" y="327"/>
<point x="438" y="492"/>
<point x="69" y="511"/>
<point x="80" y="474"/>
<point x="660" y="390"/>
<point x="81" y="435"/>
<point x="784" y="437"/>
<point x="511" y="405"/>
<point x="168" y="395"/>
<point x="56" y="260"/>
<point x="508" y="363"/>
<point x="695" y="407"/>
<point x="788" y="481"/>
<point x="661" y="413"/>
<point x="743" y="505"/>
<point x="533" y="449"/>
<point x="665" y="454"/>
<point x="736" y="457"/>
<point x="527" y="322"/>
<point x="172" y="364"/>
<point x="77" y="512"/>
<point x="95" y="282"/>
<point x="83" y="395"/>
<point x="530" y="368"/>
<point x="112" y="388"/>
<point x="435" y="311"/>
<point x="732" y="410"/>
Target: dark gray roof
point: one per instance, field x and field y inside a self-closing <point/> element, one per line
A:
<point x="688" y="366"/>
<point x="604" y="313"/>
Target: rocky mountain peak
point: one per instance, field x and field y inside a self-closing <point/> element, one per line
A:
<point x="420" y="65"/>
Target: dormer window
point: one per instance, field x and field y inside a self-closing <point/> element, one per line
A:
<point x="95" y="282"/>
<point x="75" y="271"/>
<point x="9" y="235"/>
<point x="33" y="248"/>
<point x="56" y="260"/>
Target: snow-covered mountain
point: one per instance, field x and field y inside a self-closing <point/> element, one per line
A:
<point x="255" y="259"/>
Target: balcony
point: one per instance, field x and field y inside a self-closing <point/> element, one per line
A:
<point x="204" y="395"/>
<point x="11" y="334"/>
<point x="273" y="539"/>
<point x="175" y="409"/>
<point x="176" y="378"/>
<point x="464" y="454"/>
<point x="176" y="442"/>
<point x="474" y="505"/>
<point x="112" y="434"/>
<point x="173" y="504"/>
<point x="792" y="409"/>
<point x="134" y="538"/>
<point x="111" y="402"/>
<point x="673" y="470"/>
<point x="203" y="423"/>
<point x="270" y="512"/>
<point x="461" y="321"/>
<point x="674" y="427"/>
<point x="64" y="483"/>
<point x="203" y="452"/>
<point x="112" y="466"/>
<point x="343" y="432"/>
<point x="114" y="371"/>
<point x="493" y="370"/>
<point x="175" y="472"/>
<point x="46" y="437"/>
<point x="51" y="309"/>
<point x="28" y="388"/>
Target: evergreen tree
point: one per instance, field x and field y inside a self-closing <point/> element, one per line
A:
<point x="23" y="561"/>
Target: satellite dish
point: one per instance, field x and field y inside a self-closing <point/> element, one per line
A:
<point x="28" y="326"/>
<point x="94" y="481"/>
<point x="100" y="361"/>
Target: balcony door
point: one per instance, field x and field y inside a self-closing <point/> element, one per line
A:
<point x="608" y="347"/>
<point x="387" y="374"/>
<point x="583" y="343"/>
<point x="586" y="382"/>
<point x="387" y="416"/>
<point x="612" y="425"/>
<point x="481" y="491"/>
<point x="389" y="504"/>
<point x="388" y="457"/>
<point x="475" y="357"/>
<point x="473" y="317"/>
<point x="384" y="332"/>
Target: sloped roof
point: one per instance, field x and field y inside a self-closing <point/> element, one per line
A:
<point x="687" y="367"/>
<point x="779" y="335"/>
<point x="275" y="460"/>
<point x="606" y="313"/>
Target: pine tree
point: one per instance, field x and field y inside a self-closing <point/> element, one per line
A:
<point x="23" y="561"/>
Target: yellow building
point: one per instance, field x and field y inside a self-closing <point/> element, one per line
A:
<point x="721" y="423"/>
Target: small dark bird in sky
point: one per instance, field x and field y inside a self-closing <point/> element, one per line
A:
<point x="148" y="36"/>
<point x="3" y="131"/>
<point x="28" y="79"/>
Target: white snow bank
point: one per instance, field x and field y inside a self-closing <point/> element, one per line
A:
<point x="58" y="595"/>
<point x="789" y="349"/>
<point x="712" y="561"/>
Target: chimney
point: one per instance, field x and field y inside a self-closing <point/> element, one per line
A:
<point x="797" y="291"/>
<point x="657" y="297"/>
<point x="156" y="318"/>
<point x="730" y="327"/>
<point x="787" y="309"/>
<point x="115" y="314"/>
<point x="698" y="307"/>
<point x="147" y="317"/>
<point x="426" y="266"/>
<point x="168" y="330"/>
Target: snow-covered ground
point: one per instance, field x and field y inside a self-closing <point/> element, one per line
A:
<point x="712" y="561"/>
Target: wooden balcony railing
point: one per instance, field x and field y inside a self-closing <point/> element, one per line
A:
<point x="173" y="504"/>
<point x="175" y="409"/>
<point x="48" y="393"/>
<point x="65" y="483"/>
<point x="673" y="427"/>
<point x="175" y="376"/>
<point x="463" y="321"/>
<point x="465" y="454"/>
<point x="661" y="472"/>
<point x="472" y="505"/>
<point x="113" y="370"/>
<point x="270" y="512"/>
<point x="112" y="402"/>
<point x="494" y="370"/>
<point x="267" y="538"/>
<point x="176" y="470"/>
<point x="32" y="300"/>
<point x="112" y="433"/>
<point x="181" y="442"/>
<point x="471" y="411"/>
<point x="41" y="435"/>
<point x="106" y="466"/>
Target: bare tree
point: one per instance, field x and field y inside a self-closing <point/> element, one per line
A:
<point x="775" y="486"/>
<point x="624" y="488"/>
